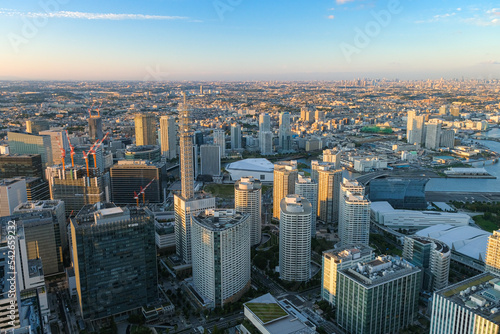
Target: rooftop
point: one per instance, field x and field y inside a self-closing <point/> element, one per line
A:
<point x="481" y="294"/>
<point x="219" y="219"/>
<point x="349" y="252"/>
<point x="259" y="164"/>
<point x="380" y="270"/>
<point x="467" y="240"/>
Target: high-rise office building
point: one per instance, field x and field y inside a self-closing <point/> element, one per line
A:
<point x="329" y="180"/>
<point x="42" y="237"/>
<point x="45" y="230"/>
<point x="415" y="128"/>
<point x="308" y="188"/>
<point x="266" y="142"/>
<point x="285" y="175"/>
<point x="332" y="156"/>
<point x="354" y="214"/>
<point x="187" y="203"/>
<point x="95" y="128"/>
<point x="59" y="142"/>
<point x="235" y="136"/>
<point x="210" y="160"/>
<point x="248" y="200"/>
<point x="37" y="189"/>
<point x="220" y="140"/>
<point x="199" y="138"/>
<point x="447" y="138"/>
<point x="128" y="177"/>
<point x="145" y="129"/>
<point x="21" y="165"/>
<point x="338" y="259"/>
<point x="76" y="188"/>
<point x="221" y="255"/>
<point x="295" y="239"/>
<point x="265" y="134"/>
<point x="470" y="306"/>
<point x="36" y="125"/>
<point x="433" y="135"/>
<point x="380" y="296"/>
<point x="144" y="152"/>
<point x="492" y="259"/>
<point x="12" y="193"/>
<point x="168" y="137"/>
<point x="184" y="210"/>
<point x="285" y="134"/>
<point x="26" y="143"/>
<point x="433" y="256"/>
<point x="114" y="253"/>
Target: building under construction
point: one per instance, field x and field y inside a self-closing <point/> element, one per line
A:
<point x="132" y="176"/>
<point x="77" y="186"/>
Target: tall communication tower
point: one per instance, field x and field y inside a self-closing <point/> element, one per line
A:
<point x="186" y="156"/>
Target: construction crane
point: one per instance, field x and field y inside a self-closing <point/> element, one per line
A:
<point x="86" y="157"/>
<point x="143" y="192"/>
<point x="72" y="150"/>
<point x="94" y="147"/>
<point x="90" y="109"/>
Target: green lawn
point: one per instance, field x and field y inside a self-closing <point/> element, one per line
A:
<point x="220" y="190"/>
<point x="266" y="312"/>
<point x="486" y="224"/>
<point x="464" y="286"/>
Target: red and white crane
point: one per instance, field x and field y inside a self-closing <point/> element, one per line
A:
<point x="143" y="192"/>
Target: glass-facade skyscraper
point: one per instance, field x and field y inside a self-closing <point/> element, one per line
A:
<point x="114" y="257"/>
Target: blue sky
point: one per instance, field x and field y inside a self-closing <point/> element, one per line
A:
<point x="248" y="40"/>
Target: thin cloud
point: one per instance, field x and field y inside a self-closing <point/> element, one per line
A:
<point x="490" y="62"/>
<point x="88" y="16"/>
<point x="341" y="2"/>
<point x="331" y="17"/>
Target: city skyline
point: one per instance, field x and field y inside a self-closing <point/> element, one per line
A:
<point x="238" y="40"/>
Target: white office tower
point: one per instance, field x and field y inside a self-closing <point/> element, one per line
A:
<point x="447" y="138"/>
<point x="248" y="200"/>
<point x="265" y="134"/>
<point x="433" y="135"/>
<point x="187" y="203"/>
<point x="220" y="140"/>
<point x="433" y="256"/>
<point x="210" y="160"/>
<point x="339" y="259"/>
<point x="285" y="174"/>
<point x="354" y="214"/>
<point x="168" y="136"/>
<point x="329" y="180"/>
<point x="285" y="133"/>
<point x="12" y="193"/>
<point x="266" y="142"/>
<point x="221" y="256"/>
<point x="493" y="253"/>
<point x="308" y="188"/>
<point x="332" y="156"/>
<point x="295" y="239"/>
<point x="235" y="136"/>
<point x="415" y="128"/>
